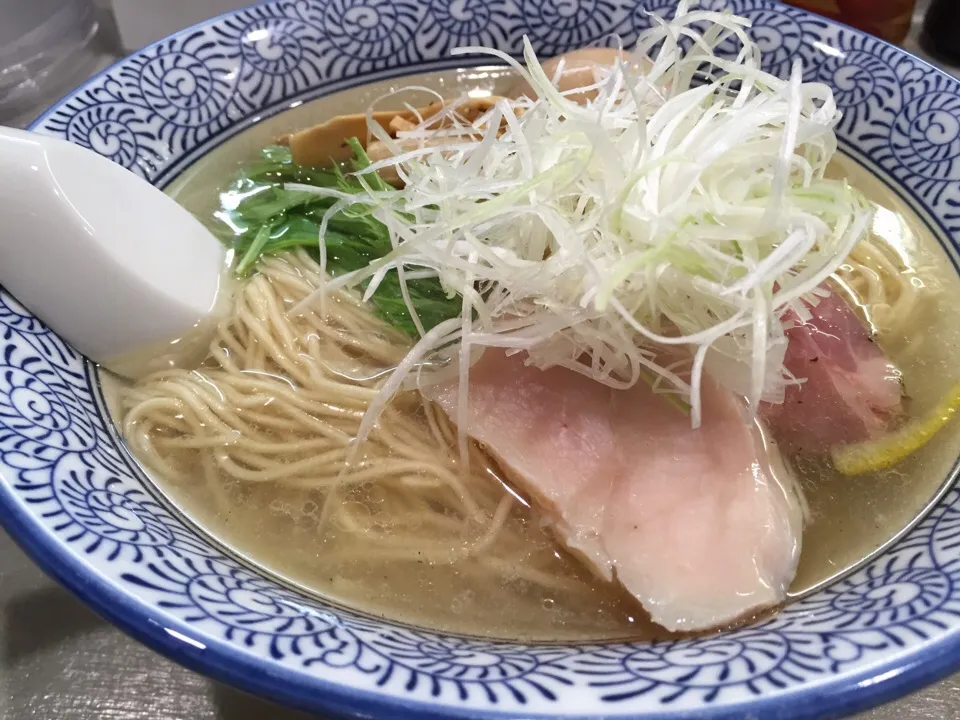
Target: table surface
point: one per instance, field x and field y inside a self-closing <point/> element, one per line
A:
<point x="60" y="661"/>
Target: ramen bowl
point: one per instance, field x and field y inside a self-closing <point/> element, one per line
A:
<point x="78" y="503"/>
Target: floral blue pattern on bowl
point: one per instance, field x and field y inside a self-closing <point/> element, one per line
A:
<point x="74" y="499"/>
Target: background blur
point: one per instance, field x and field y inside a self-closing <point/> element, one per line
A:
<point x="59" y="661"/>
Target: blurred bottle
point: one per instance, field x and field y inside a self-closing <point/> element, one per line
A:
<point x="887" y="19"/>
<point x="941" y="30"/>
<point x="42" y="43"/>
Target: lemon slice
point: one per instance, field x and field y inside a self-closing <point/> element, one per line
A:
<point x="887" y="451"/>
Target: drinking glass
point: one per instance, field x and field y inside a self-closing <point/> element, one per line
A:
<point x="40" y="42"/>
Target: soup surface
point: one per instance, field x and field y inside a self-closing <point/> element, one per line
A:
<point x="532" y="589"/>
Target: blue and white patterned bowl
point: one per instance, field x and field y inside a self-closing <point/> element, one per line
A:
<point x="71" y="496"/>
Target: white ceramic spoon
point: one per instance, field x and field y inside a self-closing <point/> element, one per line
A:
<point x="106" y="260"/>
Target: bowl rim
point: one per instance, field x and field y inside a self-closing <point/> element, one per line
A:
<point x="217" y="659"/>
<point x="838" y="697"/>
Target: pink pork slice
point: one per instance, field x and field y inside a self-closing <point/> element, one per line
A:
<point x="850" y="390"/>
<point x="694" y="523"/>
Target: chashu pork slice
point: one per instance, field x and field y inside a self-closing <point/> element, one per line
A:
<point x="696" y="524"/>
<point x="850" y="390"/>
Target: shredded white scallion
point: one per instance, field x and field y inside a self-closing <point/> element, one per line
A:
<point x="679" y="212"/>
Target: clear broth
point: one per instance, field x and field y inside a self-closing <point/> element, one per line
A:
<point x="851" y="518"/>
